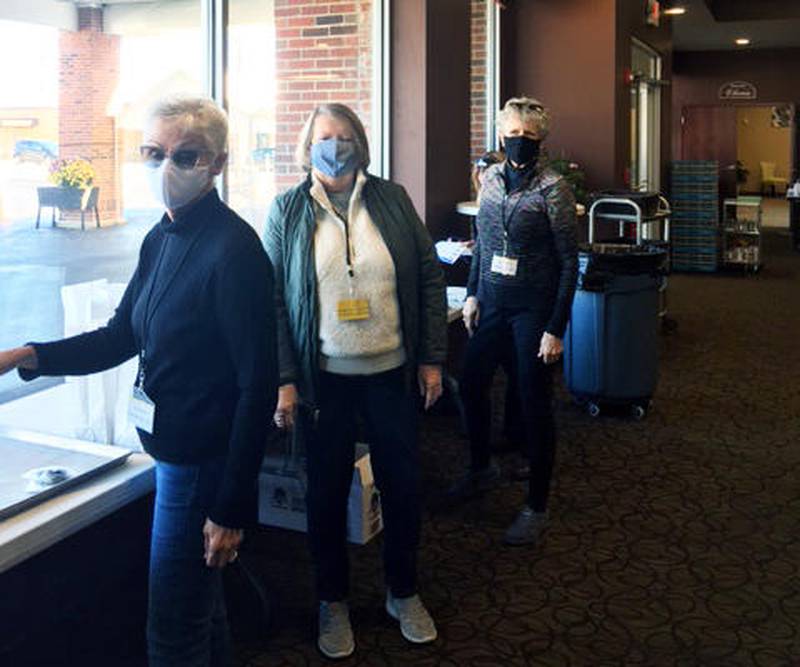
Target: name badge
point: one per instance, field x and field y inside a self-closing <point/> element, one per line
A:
<point x="350" y="310"/>
<point x="142" y="411"/>
<point x="505" y="266"/>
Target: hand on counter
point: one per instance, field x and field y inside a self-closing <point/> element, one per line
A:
<point x="20" y="357"/>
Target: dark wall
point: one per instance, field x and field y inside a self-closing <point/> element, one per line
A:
<point x="697" y="77"/>
<point x="563" y="53"/>
<point x="430" y="106"/>
<point x="448" y="115"/>
<point x="573" y="54"/>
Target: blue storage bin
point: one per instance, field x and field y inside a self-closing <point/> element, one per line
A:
<point x="611" y="343"/>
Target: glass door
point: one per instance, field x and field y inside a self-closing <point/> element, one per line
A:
<point x="645" y="118"/>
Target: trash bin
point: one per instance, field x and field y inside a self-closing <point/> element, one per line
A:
<point x="611" y="343"/>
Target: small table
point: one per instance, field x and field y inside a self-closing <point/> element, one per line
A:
<point x="68" y="199"/>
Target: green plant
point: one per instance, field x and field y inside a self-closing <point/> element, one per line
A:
<point x="573" y="175"/>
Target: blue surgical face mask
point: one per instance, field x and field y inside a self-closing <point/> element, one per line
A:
<point x="334" y="157"/>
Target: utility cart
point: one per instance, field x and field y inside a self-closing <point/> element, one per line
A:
<point x="643" y="211"/>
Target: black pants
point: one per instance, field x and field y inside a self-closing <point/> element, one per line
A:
<point x="520" y="331"/>
<point x="390" y="417"/>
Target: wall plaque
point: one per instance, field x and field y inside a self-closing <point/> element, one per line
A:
<point x="737" y="90"/>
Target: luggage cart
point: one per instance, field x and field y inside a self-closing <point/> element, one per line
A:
<point x="642" y="210"/>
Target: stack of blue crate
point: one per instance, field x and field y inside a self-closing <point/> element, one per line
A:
<point x="694" y="225"/>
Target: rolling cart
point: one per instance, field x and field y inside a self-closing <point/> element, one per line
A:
<point x="642" y="210"/>
<point x="611" y="343"/>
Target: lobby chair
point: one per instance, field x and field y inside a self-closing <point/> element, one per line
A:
<point x="770" y="180"/>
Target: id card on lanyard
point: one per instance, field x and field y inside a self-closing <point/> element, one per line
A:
<point x="502" y="263"/>
<point x="141" y="408"/>
<point x="351" y="309"/>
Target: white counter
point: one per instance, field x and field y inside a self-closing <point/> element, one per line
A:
<point x="34" y="530"/>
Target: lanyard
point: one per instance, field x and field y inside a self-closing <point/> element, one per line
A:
<point x="148" y="314"/>
<point x="507" y="220"/>
<point x="347" y="252"/>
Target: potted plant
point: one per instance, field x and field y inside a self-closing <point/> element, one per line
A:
<point x="73" y="189"/>
<point x="573" y="175"/>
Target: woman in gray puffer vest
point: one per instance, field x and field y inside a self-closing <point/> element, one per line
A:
<point x="519" y="296"/>
<point x="361" y="320"/>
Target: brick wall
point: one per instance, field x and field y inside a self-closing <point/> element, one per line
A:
<point x="324" y="54"/>
<point x="88" y="76"/>
<point x="478" y="73"/>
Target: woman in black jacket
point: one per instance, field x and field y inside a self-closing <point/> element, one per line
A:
<point x="199" y="313"/>
<point x="519" y="295"/>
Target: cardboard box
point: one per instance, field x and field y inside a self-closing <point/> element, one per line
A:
<point x="282" y="496"/>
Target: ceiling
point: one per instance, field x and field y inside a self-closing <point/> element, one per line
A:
<point x="713" y="25"/>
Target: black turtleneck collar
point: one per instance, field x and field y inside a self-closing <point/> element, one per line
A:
<point x="188" y="217"/>
<point x="518" y="178"/>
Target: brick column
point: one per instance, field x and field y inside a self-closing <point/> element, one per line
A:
<point x="477" y="77"/>
<point x="88" y="76"/>
<point x="324" y="54"/>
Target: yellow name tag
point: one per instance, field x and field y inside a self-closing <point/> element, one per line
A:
<point x="349" y="310"/>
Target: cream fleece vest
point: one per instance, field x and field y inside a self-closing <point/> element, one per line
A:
<point x="362" y="347"/>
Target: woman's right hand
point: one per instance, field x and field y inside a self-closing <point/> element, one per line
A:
<point x="19" y="357"/>
<point x="287" y="407"/>
<point x="471" y="314"/>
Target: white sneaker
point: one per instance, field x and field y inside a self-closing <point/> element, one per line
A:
<point x="416" y="623"/>
<point x="335" y="634"/>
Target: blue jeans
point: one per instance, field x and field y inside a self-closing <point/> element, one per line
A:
<point x="186" y="621"/>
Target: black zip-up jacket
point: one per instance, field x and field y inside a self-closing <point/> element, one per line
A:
<point x="540" y="217"/>
<point x="201" y="305"/>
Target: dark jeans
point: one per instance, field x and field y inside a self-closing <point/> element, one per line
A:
<point x="390" y="418"/>
<point x="186" y="622"/>
<point x="520" y="331"/>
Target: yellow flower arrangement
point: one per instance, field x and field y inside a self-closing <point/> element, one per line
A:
<point x="76" y="173"/>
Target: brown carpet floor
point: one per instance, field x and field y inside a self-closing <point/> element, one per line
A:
<point x="671" y="541"/>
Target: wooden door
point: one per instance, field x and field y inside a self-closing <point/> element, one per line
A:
<point x="709" y="133"/>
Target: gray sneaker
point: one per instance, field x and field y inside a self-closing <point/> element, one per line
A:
<point x="474" y="483"/>
<point x="416" y="623"/>
<point x="527" y="527"/>
<point x="335" y="634"/>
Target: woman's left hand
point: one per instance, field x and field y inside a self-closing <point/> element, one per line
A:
<point x="550" y="349"/>
<point x="430" y="383"/>
<point x="222" y="544"/>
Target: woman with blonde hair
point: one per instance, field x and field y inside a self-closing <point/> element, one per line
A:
<point x="519" y="295"/>
<point x="361" y="320"/>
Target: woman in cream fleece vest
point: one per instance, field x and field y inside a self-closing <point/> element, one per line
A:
<point x="361" y="320"/>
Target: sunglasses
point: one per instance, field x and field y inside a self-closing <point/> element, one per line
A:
<point x="531" y="106"/>
<point x="183" y="158"/>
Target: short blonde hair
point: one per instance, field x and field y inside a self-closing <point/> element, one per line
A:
<point x="340" y="112"/>
<point x="527" y="109"/>
<point x="202" y="114"/>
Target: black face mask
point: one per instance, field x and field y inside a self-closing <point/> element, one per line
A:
<point x="521" y="150"/>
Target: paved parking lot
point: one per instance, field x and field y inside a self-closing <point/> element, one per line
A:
<point x="35" y="264"/>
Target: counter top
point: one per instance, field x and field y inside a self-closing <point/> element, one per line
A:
<point x="43" y="525"/>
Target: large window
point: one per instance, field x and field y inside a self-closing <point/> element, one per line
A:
<point x="83" y="76"/>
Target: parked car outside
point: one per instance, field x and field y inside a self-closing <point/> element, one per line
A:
<point x="35" y="150"/>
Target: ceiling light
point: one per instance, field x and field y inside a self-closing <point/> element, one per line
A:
<point x="675" y="11"/>
<point x="742" y="41"/>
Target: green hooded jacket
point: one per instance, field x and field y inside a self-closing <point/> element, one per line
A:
<point x="289" y="242"/>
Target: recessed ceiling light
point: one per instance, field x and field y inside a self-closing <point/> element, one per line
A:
<point x="675" y="11"/>
<point x="742" y="41"/>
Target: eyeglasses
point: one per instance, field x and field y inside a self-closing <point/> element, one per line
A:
<point x="183" y="158"/>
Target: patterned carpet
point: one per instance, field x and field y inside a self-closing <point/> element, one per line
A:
<point x="671" y="541"/>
